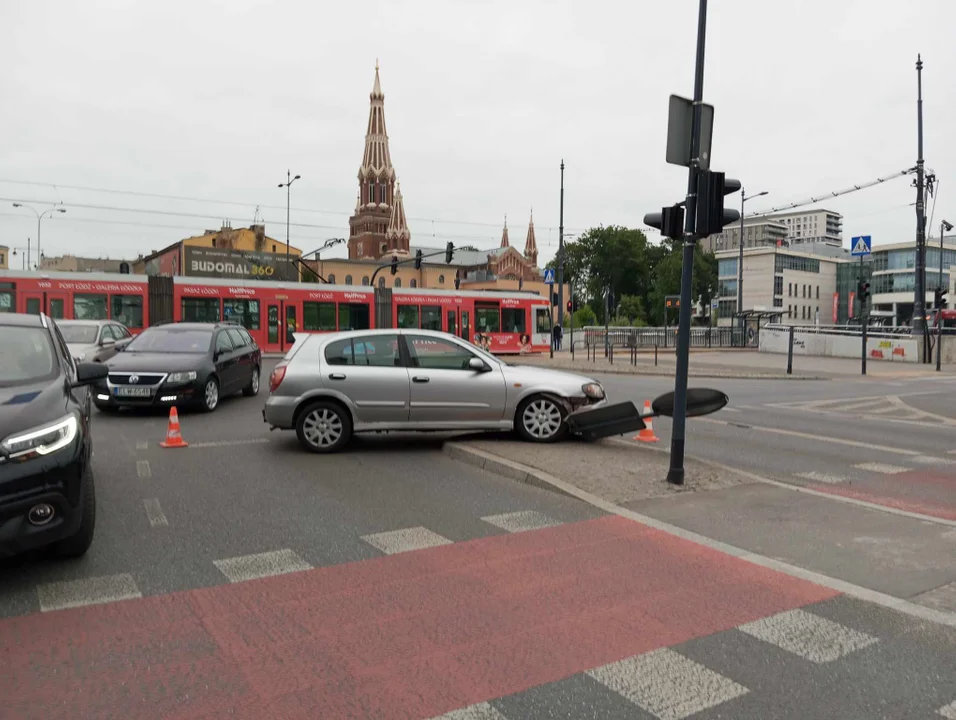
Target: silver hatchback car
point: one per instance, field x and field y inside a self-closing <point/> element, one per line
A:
<point x="332" y="385"/>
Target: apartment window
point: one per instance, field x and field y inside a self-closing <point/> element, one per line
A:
<point x="398" y="282"/>
<point x="778" y="285"/>
<point x="804" y="291"/>
<point x="348" y="279"/>
<point x="413" y="283"/>
<point x="789" y="289"/>
<point x="818" y="292"/>
<point x="331" y="279"/>
<point x="778" y="302"/>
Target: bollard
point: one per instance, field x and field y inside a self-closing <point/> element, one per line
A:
<point x="939" y="348"/>
<point x="790" y="352"/>
<point x="611" y="353"/>
<point x="863" y="350"/>
<point x="655" y="354"/>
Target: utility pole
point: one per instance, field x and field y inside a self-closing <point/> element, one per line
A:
<point x="675" y="474"/>
<point x="288" y="199"/>
<point x="919" y="300"/>
<point x="560" y="272"/>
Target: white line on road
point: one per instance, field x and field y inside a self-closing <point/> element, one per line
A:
<point x="949" y="712"/>
<point x="822" y="477"/>
<point x="930" y="460"/>
<point x="398" y="541"/>
<point x="155" y="513"/>
<point x="267" y="564"/>
<point x="881" y="468"/>
<point x="667" y="684"/>
<point x="810" y="636"/>
<point x="729" y="409"/>
<point x="141" y="445"/>
<point x="521" y="521"/>
<point x="142" y="469"/>
<point x="88" y="591"/>
<point x="229" y="443"/>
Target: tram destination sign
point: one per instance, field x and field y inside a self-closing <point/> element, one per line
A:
<point x="249" y="265"/>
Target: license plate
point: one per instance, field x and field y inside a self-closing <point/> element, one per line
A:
<point x="133" y="391"/>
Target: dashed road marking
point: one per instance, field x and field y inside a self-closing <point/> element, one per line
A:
<point x="822" y="477"/>
<point x="142" y="445"/>
<point x="267" y="564"/>
<point x="810" y="636"/>
<point x="667" y="684"/>
<point x="930" y="460"/>
<point x="881" y="468"/>
<point x="481" y="711"/>
<point x="398" y="541"/>
<point x="949" y="711"/>
<point x="521" y="521"/>
<point x="155" y="513"/>
<point x="142" y="469"/>
<point x="88" y="591"/>
<point x="229" y="443"/>
<point x="729" y="409"/>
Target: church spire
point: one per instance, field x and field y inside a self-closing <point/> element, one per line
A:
<point x="530" y="245"/>
<point x="376" y="160"/>
<point x="504" y="234"/>
<point x="398" y="235"/>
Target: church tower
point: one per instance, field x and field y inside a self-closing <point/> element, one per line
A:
<point x="530" y="244"/>
<point x="376" y="228"/>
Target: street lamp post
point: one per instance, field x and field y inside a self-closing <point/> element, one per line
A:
<point x="40" y="216"/>
<point x="288" y="198"/>
<point x="740" y="260"/>
<point x="560" y="263"/>
<point x="25" y="259"/>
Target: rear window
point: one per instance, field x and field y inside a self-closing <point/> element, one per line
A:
<point x="78" y="334"/>
<point x="26" y="356"/>
<point x="171" y="340"/>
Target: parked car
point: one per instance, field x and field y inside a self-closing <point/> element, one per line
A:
<point x="94" y="340"/>
<point x="181" y="364"/>
<point x="332" y="385"/>
<point x="47" y="496"/>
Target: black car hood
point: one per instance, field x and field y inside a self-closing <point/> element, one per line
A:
<point x="27" y="406"/>
<point x="156" y="362"/>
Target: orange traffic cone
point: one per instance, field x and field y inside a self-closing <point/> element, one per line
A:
<point x="647" y="434"/>
<point x="174" y="438"/>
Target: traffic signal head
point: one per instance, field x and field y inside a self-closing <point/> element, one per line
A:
<point x="418" y="259"/>
<point x="863" y="290"/>
<point x="712" y="218"/>
<point x="570" y="307"/>
<point x="394" y="264"/>
<point x="670" y="221"/>
<point x="449" y="252"/>
<point x="940" y="298"/>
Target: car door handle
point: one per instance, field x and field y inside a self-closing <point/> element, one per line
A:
<point x="420" y="379"/>
<point x="337" y="376"/>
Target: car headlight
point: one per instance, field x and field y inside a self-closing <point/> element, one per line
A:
<point x="593" y="391"/>
<point x="181" y="377"/>
<point x="43" y="440"/>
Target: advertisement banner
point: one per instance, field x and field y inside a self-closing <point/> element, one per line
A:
<point x="247" y="265"/>
<point x="851" y="304"/>
<point x="165" y="264"/>
<point x="836" y="307"/>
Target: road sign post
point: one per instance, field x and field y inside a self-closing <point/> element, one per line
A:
<point x="549" y="279"/>
<point x="860" y="247"/>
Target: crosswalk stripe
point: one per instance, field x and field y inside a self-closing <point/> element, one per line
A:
<point x="810" y="636"/>
<point x="521" y="521"/>
<point x="154" y="513"/>
<point x="949" y="712"/>
<point x="87" y="591"/>
<point x="480" y="711"/>
<point x="822" y="477"/>
<point x="267" y="564"/>
<point x="881" y="468"/>
<point x="398" y="541"/>
<point x="667" y="684"/>
<point x="930" y="460"/>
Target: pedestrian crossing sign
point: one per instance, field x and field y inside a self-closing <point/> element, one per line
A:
<point x="862" y="245"/>
<point x="549" y="276"/>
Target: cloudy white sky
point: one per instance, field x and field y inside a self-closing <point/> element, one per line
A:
<point x="214" y="101"/>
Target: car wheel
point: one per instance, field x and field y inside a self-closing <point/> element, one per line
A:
<point x="210" y="395"/>
<point x="323" y="427"/>
<point x="540" y="419"/>
<point x="77" y="544"/>
<point x="252" y="389"/>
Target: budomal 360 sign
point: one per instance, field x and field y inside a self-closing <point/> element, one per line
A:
<point x="222" y="263"/>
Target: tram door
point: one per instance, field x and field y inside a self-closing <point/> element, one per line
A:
<point x="49" y="303"/>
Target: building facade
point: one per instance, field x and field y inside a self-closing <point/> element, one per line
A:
<point x="73" y="263"/>
<point x="758" y="232"/>
<point x="893" y="282"/>
<point x="4" y="257"/>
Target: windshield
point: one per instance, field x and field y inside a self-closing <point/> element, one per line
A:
<point x="78" y="334"/>
<point x="26" y="356"/>
<point x="171" y="340"/>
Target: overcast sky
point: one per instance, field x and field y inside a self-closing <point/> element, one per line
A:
<point x="216" y="100"/>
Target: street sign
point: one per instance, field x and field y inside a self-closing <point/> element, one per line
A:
<point x="680" y="118"/>
<point x="713" y="304"/>
<point x="549" y="276"/>
<point x="862" y="245"/>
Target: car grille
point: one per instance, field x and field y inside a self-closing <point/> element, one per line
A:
<point x="141" y="378"/>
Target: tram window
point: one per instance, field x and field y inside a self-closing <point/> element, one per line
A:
<point x="542" y="323"/>
<point x="431" y="317"/>
<point x="8" y="298"/>
<point x="318" y="316"/>
<point x="353" y="316"/>
<point x="244" y="312"/>
<point x="513" y="320"/>
<point x="127" y="309"/>
<point x="487" y="319"/>
<point x="56" y="308"/>
<point x="89" y="307"/>
<point x="200" y="310"/>
<point x="408" y="316"/>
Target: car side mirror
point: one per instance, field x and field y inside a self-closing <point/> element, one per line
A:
<point x="89" y="373"/>
<point x="478" y="365"/>
<point x="107" y="341"/>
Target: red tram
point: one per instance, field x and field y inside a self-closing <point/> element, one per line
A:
<point x="501" y="322"/>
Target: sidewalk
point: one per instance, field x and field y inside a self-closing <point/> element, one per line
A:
<point x="880" y="553"/>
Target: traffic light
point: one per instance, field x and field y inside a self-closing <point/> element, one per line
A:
<point x="939" y="299"/>
<point x="863" y="291"/>
<point x="449" y="252"/>
<point x="394" y="264"/>
<point x="712" y="218"/>
<point x="670" y="221"/>
<point x="570" y="307"/>
<point x="418" y="259"/>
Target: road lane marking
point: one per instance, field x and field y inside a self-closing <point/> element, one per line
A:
<point x="87" y="591"/>
<point x="267" y="564"/>
<point x="930" y="460"/>
<point x="398" y="541"/>
<point x="810" y="636"/>
<point x="229" y="443"/>
<point x="822" y="477"/>
<point x="729" y="409"/>
<point x="481" y="711"/>
<point x="882" y="468"/>
<point x="141" y="445"/>
<point x="155" y="513"/>
<point x="949" y="712"/>
<point x="521" y="521"/>
<point x="142" y="469"/>
<point x="667" y="684"/>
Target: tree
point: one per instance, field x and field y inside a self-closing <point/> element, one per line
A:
<point x="631" y="307"/>
<point x="667" y="277"/>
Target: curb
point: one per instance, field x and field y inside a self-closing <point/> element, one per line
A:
<point x="669" y="372"/>
<point x="539" y="478"/>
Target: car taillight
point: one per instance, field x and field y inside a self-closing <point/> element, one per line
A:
<point x="276" y="378"/>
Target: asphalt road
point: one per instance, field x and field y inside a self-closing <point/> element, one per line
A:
<point x="242" y="577"/>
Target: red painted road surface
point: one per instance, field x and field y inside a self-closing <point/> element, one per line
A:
<point x="928" y="492"/>
<point x="405" y="636"/>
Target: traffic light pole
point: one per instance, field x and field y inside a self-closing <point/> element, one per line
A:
<point x="675" y="474"/>
<point x="863" y="320"/>
<point x="416" y="259"/>
<point x="560" y="263"/>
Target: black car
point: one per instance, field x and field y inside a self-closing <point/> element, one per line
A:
<point x="46" y="479"/>
<point x="181" y="364"/>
